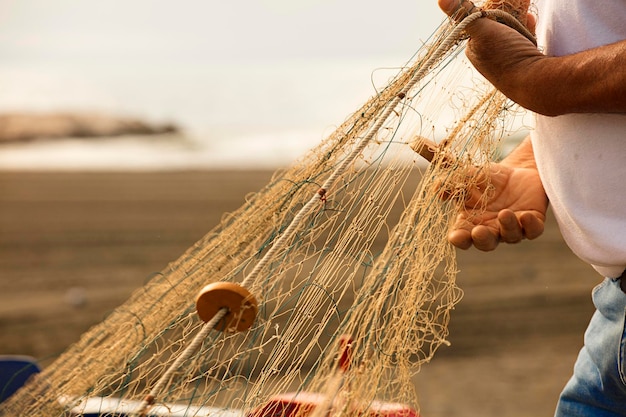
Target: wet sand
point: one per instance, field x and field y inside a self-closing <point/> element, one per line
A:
<point x="73" y="246"/>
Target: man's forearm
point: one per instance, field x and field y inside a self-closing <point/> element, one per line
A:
<point x="592" y="81"/>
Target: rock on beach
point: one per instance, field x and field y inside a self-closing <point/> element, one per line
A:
<point x="24" y="127"/>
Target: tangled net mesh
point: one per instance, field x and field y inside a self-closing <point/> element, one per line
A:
<point x="370" y="260"/>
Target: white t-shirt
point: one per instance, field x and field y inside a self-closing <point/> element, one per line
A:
<point x="582" y="157"/>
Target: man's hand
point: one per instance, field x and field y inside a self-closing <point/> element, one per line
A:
<point x="513" y="208"/>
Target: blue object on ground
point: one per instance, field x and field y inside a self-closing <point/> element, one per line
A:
<point x="14" y="372"/>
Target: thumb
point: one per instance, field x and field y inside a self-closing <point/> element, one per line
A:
<point x="456" y="9"/>
<point x="448" y="6"/>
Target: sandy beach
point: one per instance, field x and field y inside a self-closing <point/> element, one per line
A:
<point x="73" y="246"/>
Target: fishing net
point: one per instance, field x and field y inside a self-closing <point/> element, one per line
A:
<point x="341" y="260"/>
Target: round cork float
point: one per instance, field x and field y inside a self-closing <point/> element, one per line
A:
<point x="241" y="305"/>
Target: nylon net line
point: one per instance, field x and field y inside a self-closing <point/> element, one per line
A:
<point x="352" y="302"/>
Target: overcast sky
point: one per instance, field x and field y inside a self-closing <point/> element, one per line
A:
<point x="161" y="30"/>
<point x="203" y="63"/>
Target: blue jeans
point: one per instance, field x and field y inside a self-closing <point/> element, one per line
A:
<point x="598" y="386"/>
